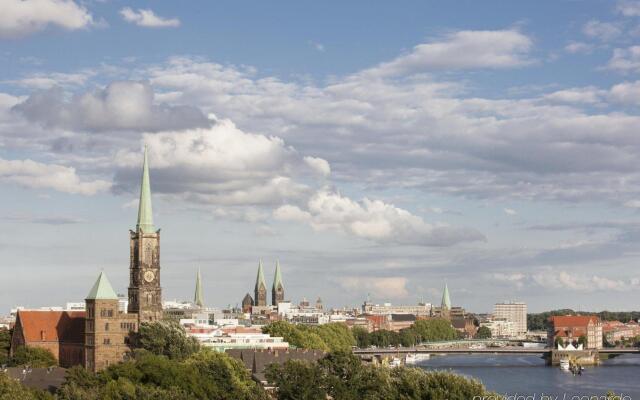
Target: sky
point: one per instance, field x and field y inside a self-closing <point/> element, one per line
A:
<point x="373" y="148"/>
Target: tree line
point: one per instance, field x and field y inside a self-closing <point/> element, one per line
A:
<point x="168" y="365"/>
<point x="540" y="321"/>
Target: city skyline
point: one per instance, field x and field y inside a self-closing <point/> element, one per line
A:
<point x="497" y="155"/>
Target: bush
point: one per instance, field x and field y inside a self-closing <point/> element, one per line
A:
<point x="165" y="338"/>
<point x="34" y="357"/>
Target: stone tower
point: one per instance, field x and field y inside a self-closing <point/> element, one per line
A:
<point x="102" y="336"/>
<point x="145" y="294"/>
<point x="277" y="290"/>
<point x="198" y="299"/>
<point x="260" y="292"/>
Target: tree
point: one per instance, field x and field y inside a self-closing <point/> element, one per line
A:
<point x="166" y="338"/>
<point x="436" y="329"/>
<point x="13" y="390"/>
<point x="297" y="380"/>
<point x="34" y="357"/>
<point x="336" y="336"/>
<point x="5" y="345"/>
<point x="483" y="333"/>
<point x="582" y="340"/>
<point x="361" y="336"/>
<point x="297" y="336"/>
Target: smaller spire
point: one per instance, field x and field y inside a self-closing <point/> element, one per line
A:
<point x="277" y="278"/>
<point x="198" y="298"/>
<point x="102" y="289"/>
<point x="260" y="278"/>
<point x="446" y="300"/>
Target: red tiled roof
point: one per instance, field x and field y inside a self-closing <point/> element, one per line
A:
<point x="52" y="326"/>
<point x="573" y="320"/>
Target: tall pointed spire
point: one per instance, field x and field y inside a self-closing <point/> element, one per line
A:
<point x="198" y="298"/>
<point x="446" y="301"/>
<point x="277" y="278"/>
<point x="145" y="214"/>
<point x="260" y="278"/>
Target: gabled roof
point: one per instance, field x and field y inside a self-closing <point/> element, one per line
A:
<point x="102" y="289"/>
<point x="573" y="320"/>
<point x="52" y="326"/>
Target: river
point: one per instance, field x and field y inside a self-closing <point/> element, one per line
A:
<point x="527" y="375"/>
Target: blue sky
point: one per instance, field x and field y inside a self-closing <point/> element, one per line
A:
<point x="372" y="148"/>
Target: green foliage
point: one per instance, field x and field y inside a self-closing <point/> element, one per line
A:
<point x="34" y="357"/>
<point x="327" y="337"/>
<point x="483" y="333"/>
<point x="539" y="321"/>
<point x="13" y="390"/>
<point x="582" y="340"/>
<point x="165" y="338"/>
<point x="342" y="376"/>
<point x="203" y="375"/>
<point x="5" y="344"/>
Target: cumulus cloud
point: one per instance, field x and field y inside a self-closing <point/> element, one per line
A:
<point x="510" y="211"/>
<point x="220" y="165"/>
<point x="24" y="17"/>
<point x="462" y="50"/>
<point x="586" y="95"/>
<point x="319" y="165"/>
<point x="628" y="8"/>
<point x="626" y="93"/>
<point x="35" y="175"/>
<point x="578" y="47"/>
<point x="381" y="287"/>
<point x="122" y="105"/>
<point x="373" y="220"/>
<point x="148" y="18"/>
<point x="550" y="278"/>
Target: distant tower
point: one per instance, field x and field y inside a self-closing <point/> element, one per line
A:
<point x="319" y="305"/>
<point x="145" y="294"/>
<point x="102" y="331"/>
<point x="198" y="299"/>
<point x="445" y="305"/>
<point x="247" y="303"/>
<point x="277" y="290"/>
<point x="260" y="291"/>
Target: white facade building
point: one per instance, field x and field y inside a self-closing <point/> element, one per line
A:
<point x="515" y="312"/>
<point x="500" y="328"/>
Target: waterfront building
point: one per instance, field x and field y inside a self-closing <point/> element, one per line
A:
<point x="515" y="312"/>
<point x="500" y="327"/>
<point x="421" y="309"/>
<point x="277" y="289"/>
<point x="570" y="328"/>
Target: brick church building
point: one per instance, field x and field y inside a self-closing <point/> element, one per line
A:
<point x="99" y="336"/>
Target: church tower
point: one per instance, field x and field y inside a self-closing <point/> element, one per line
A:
<point x="198" y="299"/>
<point x="277" y="290"/>
<point x="145" y="294"/>
<point x="445" y="304"/>
<point x="260" y="291"/>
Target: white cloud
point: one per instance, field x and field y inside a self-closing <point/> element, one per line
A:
<point x="578" y="47"/>
<point x="319" y="165"/>
<point x="625" y="60"/>
<point x="381" y="287"/>
<point x="123" y="105"/>
<point x="148" y="18"/>
<point x="555" y="278"/>
<point x="586" y="95"/>
<point x="24" y="17"/>
<point x="462" y="50"/>
<point x="35" y="175"/>
<point x="218" y="165"/>
<point x="628" y="8"/>
<point x="604" y="31"/>
<point x="510" y="211"/>
<point x="373" y="220"/>
<point x="626" y="93"/>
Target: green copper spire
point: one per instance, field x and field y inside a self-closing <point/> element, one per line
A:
<point x="260" y="278"/>
<point x="446" y="301"/>
<point x="198" y="298"/>
<point x="277" y="278"/>
<point x="102" y="289"/>
<point x="145" y="214"/>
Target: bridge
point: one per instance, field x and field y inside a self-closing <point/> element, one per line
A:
<point x="487" y="350"/>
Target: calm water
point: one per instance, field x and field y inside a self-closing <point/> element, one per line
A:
<point x="528" y="375"/>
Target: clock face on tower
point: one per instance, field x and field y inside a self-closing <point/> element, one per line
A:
<point x="149" y="276"/>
